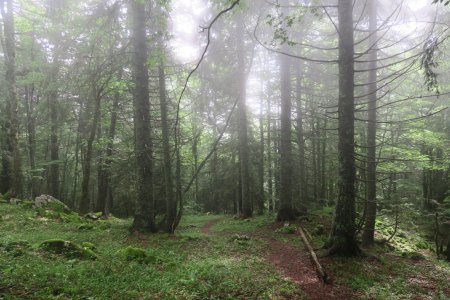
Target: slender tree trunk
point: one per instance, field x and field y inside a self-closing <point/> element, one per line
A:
<point x="144" y="215"/>
<point x="102" y="176"/>
<point x="300" y="138"/>
<point x="168" y="181"/>
<point x="261" y="154"/>
<point x="323" y="165"/>
<point x="242" y="120"/>
<point x="85" y="201"/>
<point x="269" y="156"/>
<point x="110" y="151"/>
<point x="54" y="145"/>
<point x="31" y="139"/>
<point x="371" y="202"/>
<point x="12" y="165"/>
<point x="285" y="210"/>
<point x="343" y="233"/>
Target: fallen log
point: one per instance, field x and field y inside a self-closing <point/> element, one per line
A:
<point x="320" y="271"/>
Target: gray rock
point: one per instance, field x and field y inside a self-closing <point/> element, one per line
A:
<point x="15" y="201"/>
<point x="43" y="201"/>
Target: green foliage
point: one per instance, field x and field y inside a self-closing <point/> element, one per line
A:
<point x="287" y="229"/>
<point x="189" y="265"/>
<point x="67" y="249"/>
<point x="16" y="248"/>
<point x="137" y="254"/>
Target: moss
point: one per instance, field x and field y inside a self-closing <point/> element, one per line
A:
<point x="85" y="227"/>
<point x="88" y="245"/>
<point x="319" y="230"/>
<point x="102" y="224"/>
<point x="67" y="249"/>
<point x="287" y="228"/>
<point x="413" y="255"/>
<point x="16" y="248"/>
<point x="27" y="204"/>
<point x="136" y="254"/>
<point x="71" y="218"/>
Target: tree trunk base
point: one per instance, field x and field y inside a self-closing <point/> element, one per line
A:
<point x="285" y="214"/>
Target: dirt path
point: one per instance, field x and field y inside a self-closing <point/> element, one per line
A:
<point x="296" y="265"/>
<point x="206" y="229"/>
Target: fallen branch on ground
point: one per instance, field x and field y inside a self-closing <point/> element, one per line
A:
<point x="320" y="271"/>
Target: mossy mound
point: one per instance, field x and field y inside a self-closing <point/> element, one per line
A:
<point x="16" y="248"/>
<point x="137" y="254"/>
<point x="67" y="249"/>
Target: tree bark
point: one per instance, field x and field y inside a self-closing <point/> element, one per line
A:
<point x="371" y="187"/>
<point x="11" y="160"/>
<point x="54" y="145"/>
<point x="285" y="210"/>
<point x="169" y="192"/>
<point x="247" y="210"/>
<point x="300" y="138"/>
<point x="144" y="216"/>
<point x="269" y="156"/>
<point x="343" y="233"/>
<point x="85" y="200"/>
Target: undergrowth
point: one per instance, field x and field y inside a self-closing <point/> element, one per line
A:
<point x="188" y="265"/>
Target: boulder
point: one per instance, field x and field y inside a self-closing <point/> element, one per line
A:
<point x="47" y="201"/>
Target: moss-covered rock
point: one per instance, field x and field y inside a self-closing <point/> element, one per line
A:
<point x="137" y="254"/>
<point x="67" y="249"/>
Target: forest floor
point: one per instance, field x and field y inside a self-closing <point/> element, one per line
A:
<point x="209" y="257"/>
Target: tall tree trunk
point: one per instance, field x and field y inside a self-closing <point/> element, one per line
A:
<point x="261" y="154"/>
<point x="85" y="200"/>
<point x="242" y="120"/>
<point x="285" y="211"/>
<point x="169" y="191"/>
<point x="300" y="138"/>
<point x="102" y="176"/>
<point x="269" y="156"/>
<point x="144" y="215"/>
<point x="371" y="187"/>
<point x="343" y="233"/>
<point x="110" y="151"/>
<point x="54" y="145"/>
<point x="323" y="166"/>
<point x="31" y="139"/>
<point x="11" y="160"/>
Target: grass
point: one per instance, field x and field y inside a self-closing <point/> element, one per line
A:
<point x="189" y="265"/>
<point x="228" y="264"/>
<point x="406" y="268"/>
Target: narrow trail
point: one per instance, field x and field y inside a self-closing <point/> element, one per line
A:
<point x="206" y="229"/>
<point x="295" y="264"/>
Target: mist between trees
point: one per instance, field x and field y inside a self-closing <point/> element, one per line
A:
<point x="155" y="109"/>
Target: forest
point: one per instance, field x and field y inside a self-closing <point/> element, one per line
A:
<point x="225" y="149"/>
